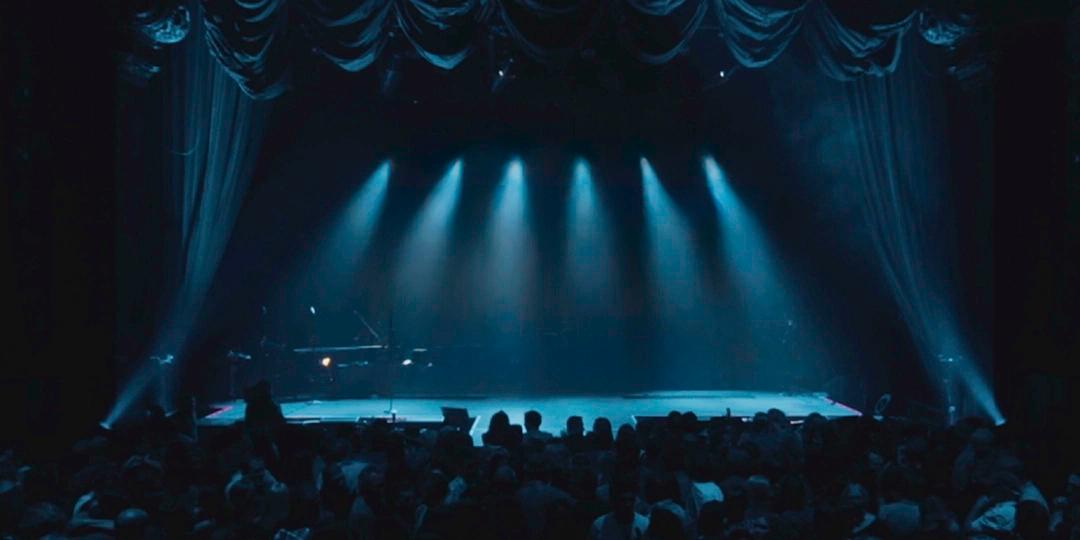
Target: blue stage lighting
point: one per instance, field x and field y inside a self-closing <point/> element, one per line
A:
<point x="424" y="252"/>
<point x="363" y="214"/>
<point x="507" y="260"/>
<point x="673" y="260"/>
<point x="338" y="255"/>
<point x="747" y="252"/>
<point x="425" y="243"/>
<point x="589" y="253"/>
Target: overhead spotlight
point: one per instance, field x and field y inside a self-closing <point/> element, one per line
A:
<point x="326" y="361"/>
<point x="504" y="73"/>
<point x="722" y="76"/>
<point x="407" y="362"/>
<point x="311" y="309"/>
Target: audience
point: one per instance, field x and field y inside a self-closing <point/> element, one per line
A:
<point x="532" y="428"/>
<point x="682" y="478"/>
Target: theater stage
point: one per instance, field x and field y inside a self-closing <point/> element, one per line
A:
<point x="619" y="409"/>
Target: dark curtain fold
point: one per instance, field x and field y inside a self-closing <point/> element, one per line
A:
<point x="901" y="166"/>
<point x="249" y="39"/>
<point x="215" y="136"/>
<point x="349" y="33"/>
<point x="758" y="31"/>
<point x="213" y="132"/>
<point x="441" y="31"/>
<point x="854" y="39"/>
<point x="548" y="31"/>
<point x="849" y="38"/>
<point x="656" y="31"/>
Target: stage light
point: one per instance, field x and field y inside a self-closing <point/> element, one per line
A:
<point x="503" y="74"/>
<point x="341" y="249"/>
<point x="407" y="362"/>
<point x="425" y="249"/>
<point x="674" y="284"/>
<point x="746" y="250"/>
<point x="763" y="285"/>
<point x="428" y="233"/>
<point x="515" y="172"/>
<point x="589" y="253"/>
<point x="326" y="361"/>
<point x="721" y="77"/>
<point x="506" y="264"/>
<point x="311" y="309"/>
<point x="673" y="259"/>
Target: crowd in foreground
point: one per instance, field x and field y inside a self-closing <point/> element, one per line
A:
<point x="682" y="478"/>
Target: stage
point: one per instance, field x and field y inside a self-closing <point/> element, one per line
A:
<point x="555" y="409"/>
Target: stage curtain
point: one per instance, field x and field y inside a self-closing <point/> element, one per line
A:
<point x="758" y="31"/>
<point x="349" y="33"/>
<point x="548" y="31"/>
<point x="253" y="40"/>
<point x="656" y="31"/>
<point x="900" y="161"/>
<point x="249" y="39"/>
<point x="853" y="38"/>
<point x="213" y="137"/>
<point x="441" y="31"/>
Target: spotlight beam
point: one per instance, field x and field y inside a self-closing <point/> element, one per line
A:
<point x="507" y="261"/>
<point x="746" y="250"/>
<point x="589" y="254"/>
<point x="340" y="253"/>
<point x="425" y="247"/>
<point x="673" y="260"/>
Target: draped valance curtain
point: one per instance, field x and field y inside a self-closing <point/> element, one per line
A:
<point x="255" y="40"/>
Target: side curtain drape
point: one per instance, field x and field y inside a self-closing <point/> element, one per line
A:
<point x="901" y="169"/>
<point x="212" y="133"/>
<point x="213" y="137"/>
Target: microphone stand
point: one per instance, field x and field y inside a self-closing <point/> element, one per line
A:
<point x="390" y="348"/>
